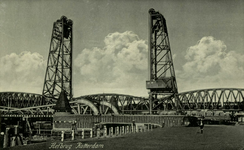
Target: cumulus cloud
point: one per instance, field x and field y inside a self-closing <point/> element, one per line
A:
<point x="22" y="73"/>
<point x="210" y="65"/>
<point x="119" y="67"/>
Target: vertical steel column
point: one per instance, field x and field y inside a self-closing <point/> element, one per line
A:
<point x="149" y="46"/>
<point x="150" y="102"/>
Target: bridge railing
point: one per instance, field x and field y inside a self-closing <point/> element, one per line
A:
<point x="89" y="121"/>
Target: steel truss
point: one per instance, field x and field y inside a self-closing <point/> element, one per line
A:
<point x="161" y="69"/>
<point x="16" y="103"/>
<point x="59" y="66"/>
<point x="124" y="104"/>
<point x="213" y="99"/>
<point x="162" y="79"/>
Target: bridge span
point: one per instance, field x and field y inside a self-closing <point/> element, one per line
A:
<point x="219" y="99"/>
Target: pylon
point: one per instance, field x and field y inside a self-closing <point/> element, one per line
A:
<point x="59" y="66"/>
<point x="162" y="79"/>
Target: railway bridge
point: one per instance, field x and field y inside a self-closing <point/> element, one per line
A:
<point x="163" y="98"/>
<point x="28" y="104"/>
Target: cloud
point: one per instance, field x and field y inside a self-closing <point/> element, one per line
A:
<point x="119" y="67"/>
<point x="210" y="65"/>
<point x="22" y="73"/>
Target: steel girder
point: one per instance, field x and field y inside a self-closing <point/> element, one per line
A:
<point x="58" y="75"/>
<point x="227" y="99"/>
<point x="21" y="100"/>
<point x="125" y="104"/>
<point x="24" y="103"/>
<point x="16" y="103"/>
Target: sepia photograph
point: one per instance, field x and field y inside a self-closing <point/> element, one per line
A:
<point x="122" y="74"/>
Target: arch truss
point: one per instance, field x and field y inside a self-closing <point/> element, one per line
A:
<point x="213" y="99"/>
<point x="118" y="103"/>
<point x="227" y="99"/>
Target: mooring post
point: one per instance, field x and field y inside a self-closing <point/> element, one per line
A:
<point x="105" y="131"/>
<point x="123" y="130"/>
<point x="72" y="135"/>
<point x="91" y="133"/>
<point x="62" y="136"/>
<point x="98" y="132"/>
<point x="117" y="131"/>
<point x="82" y="133"/>
<point x="112" y="131"/>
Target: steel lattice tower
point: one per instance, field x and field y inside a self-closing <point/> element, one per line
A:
<point x="162" y="80"/>
<point x="58" y="75"/>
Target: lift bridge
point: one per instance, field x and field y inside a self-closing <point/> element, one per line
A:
<point x="163" y="101"/>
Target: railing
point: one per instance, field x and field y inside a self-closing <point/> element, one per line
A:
<point x="89" y="121"/>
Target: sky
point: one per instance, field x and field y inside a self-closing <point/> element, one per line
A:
<point x="110" y="37"/>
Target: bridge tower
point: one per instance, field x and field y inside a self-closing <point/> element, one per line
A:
<point x="58" y="75"/>
<point x="162" y="79"/>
